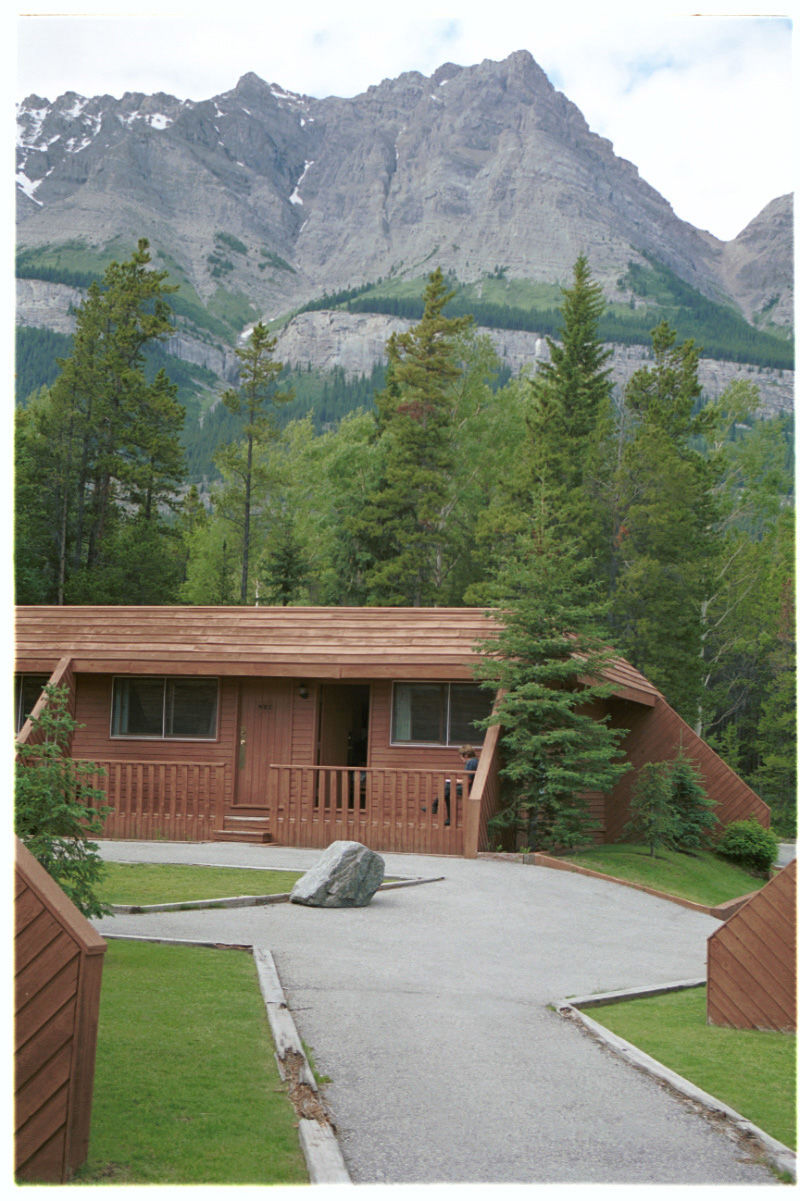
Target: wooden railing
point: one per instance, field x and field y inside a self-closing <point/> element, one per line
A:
<point x="385" y="808"/>
<point x="180" y="802"/>
<point x="484" y="797"/>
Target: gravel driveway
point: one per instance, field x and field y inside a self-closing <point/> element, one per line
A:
<point x="430" y="1012"/>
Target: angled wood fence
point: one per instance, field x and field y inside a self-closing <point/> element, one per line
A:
<point x="752" y="960"/>
<point x="58" y="967"/>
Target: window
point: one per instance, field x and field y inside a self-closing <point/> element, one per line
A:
<point x="27" y="690"/>
<point x="164" y="707"/>
<point x="439" y="714"/>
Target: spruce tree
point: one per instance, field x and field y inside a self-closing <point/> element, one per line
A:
<point x="405" y="525"/>
<point x="546" y="664"/>
<point x="665" y="525"/>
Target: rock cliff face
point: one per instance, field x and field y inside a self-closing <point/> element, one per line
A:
<point x="284" y="197"/>
<point x="356" y="342"/>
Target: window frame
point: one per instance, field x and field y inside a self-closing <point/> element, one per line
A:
<point x="447" y="744"/>
<point x="163" y="736"/>
<point x="20" y="716"/>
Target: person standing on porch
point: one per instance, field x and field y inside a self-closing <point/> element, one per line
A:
<point x="469" y="758"/>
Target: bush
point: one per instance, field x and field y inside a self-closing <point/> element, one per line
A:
<point x="670" y="807"/>
<point x="56" y="809"/>
<point x="750" y="845"/>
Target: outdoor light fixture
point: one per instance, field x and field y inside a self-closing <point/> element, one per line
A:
<point x="304" y="690"/>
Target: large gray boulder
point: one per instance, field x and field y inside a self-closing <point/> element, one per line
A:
<point x="347" y="874"/>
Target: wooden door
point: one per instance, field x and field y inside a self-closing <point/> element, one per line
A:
<point x="263" y="736"/>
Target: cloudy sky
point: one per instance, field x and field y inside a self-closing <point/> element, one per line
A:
<point x="701" y="104"/>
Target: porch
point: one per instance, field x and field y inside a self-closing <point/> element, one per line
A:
<point x="305" y="805"/>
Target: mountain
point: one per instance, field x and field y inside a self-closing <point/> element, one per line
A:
<point x="259" y="201"/>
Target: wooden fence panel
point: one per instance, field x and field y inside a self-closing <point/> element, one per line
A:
<point x="752" y="960"/>
<point x="58" y="966"/>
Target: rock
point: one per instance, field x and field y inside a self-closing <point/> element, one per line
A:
<point x="348" y="874"/>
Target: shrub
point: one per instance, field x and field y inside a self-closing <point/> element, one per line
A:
<point x="670" y="807"/>
<point x="750" y="845"/>
<point x="56" y="808"/>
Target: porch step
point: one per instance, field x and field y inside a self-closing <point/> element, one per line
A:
<point x="243" y="829"/>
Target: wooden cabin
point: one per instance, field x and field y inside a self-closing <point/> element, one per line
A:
<point x="304" y="725"/>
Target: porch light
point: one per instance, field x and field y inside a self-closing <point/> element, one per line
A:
<point x="303" y="690"/>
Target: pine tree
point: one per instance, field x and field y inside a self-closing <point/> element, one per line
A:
<point x="405" y="525"/>
<point x="666" y="525"/>
<point x="254" y="400"/>
<point x="546" y="665"/>
<point x="107" y="438"/>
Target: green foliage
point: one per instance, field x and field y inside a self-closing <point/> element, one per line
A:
<point x="664" y="526"/>
<point x="670" y="807"/>
<point x="56" y="807"/>
<point x="232" y="243"/>
<point x="750" y="845"/>
<point x="36" y="359"/>
<point x="405" y="527"/>
<point x="653" y="819"/>
<point x="106" y="437"/>
<point x="254" y="401"/>
<point x="546" y="665"/>
<point x="691" y="805"/>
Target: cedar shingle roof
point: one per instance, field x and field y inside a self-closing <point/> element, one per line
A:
<point x="339" y="643"/>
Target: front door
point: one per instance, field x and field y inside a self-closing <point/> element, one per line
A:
<point x="265" y="712"/>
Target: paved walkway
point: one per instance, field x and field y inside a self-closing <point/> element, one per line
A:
<point x="429" y="1012"/>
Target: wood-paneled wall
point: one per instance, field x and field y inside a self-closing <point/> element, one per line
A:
<point x="656" y="734"/>
<point x="58" y="967"/>
<point x="752" y="960"/>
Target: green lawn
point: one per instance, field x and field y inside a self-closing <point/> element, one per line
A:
<point x="752" y="1071"/>
<point x="161" y="883"/>
<point x="186" y="1088"/>
<point x="701" y="877"/>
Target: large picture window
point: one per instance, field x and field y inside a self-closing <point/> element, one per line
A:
<point x="164" y="707"/>
<point x="439" y="714"/>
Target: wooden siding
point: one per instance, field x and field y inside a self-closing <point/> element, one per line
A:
<point x="58" y="965"/>
<point x="752" y="960"/>
<point x="656" y="734"/>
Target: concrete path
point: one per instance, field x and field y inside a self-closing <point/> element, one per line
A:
<point x="429" y="1011"/>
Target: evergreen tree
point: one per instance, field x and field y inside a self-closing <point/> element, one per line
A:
<point x="254" y="400"/>
<point x="666" y="524"/>
<point x="406" y="525"/>
<point x="546" y="665"/>
<point x="570" y="391"/>
<point x="107" y="437"/>
<point x="653" y="820"/>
